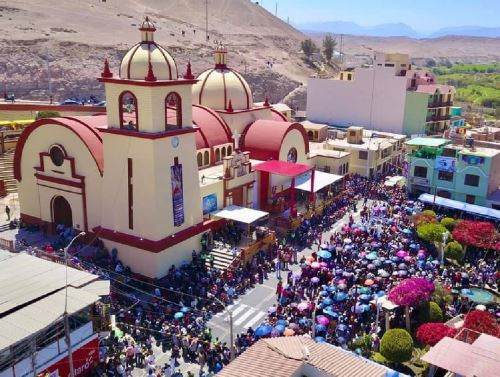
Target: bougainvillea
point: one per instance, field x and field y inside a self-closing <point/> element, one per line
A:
<point x="431" y="333"/>
<point x="477" y="233"/>
<point x="411" y="292"/>
<point x="483" y="322"/>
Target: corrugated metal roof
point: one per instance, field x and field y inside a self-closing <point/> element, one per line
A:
<point x="40" y="314"/>
<point x="24" y="278"/>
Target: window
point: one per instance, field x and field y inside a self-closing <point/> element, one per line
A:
<point x="444" y="194"/>
<point x="352" y="133"/>
<point x="206" y="158"/>
<point x="199" y="158"/>
<point x="445" y="176"/>
<point x="129" y="111"/>
<point x="56" y="155"/>
<point x="223" y="152"/>
<point x="363" y="155"/>
<point x="420" y="171"/>
<point x="310" y="135"/>
<point x="230" y="150"/>
<point x="470" y="199"/>
<point x="173" y="112"/>
<point x="448" y="152"/>
<point x="130" y="195"/>
<point x="471" y="180"/>
<point x="346" y="167"/>
<point x="292" y="155"/>
<point x="389" y="64"/>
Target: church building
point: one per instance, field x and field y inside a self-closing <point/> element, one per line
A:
<point x="170" y="149"/>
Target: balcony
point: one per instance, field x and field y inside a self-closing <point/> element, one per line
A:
<point x="434" y="104"/>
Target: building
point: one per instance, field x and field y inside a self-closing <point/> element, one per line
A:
<point x="32" y="303"/>
<point x="170" y="150"/>
<point x="438" y="167"/>
<point x="300" y="356"/>
<point x="388" y="96"/>
<point x="359" y="151"/>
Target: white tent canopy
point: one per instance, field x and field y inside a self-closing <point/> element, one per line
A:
<point x="240" y="214"/>
<point x="321" y="180"/>
<point x="466" y="207"/>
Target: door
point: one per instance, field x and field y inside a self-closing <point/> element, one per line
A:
<point x="238" y="197"/>
<point x="61" y="212"/>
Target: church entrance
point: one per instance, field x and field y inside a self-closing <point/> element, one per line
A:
<point x="238" y="197"/>
<point x="61" y="212"/>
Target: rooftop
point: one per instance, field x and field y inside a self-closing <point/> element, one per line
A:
<point x="374" y="143"/>
<point x="428" y="142"/>
<point x="317" y="149"/>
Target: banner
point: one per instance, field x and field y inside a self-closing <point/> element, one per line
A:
<point x="209" y="203"/>
<point x="177" y="194"/>
<point x="83" y="360"/>
<point x="473" y="159"/>
<point x="446" y="163"/>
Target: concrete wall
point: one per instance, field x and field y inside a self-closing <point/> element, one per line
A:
<point x="415" y="113"/>
<point x="375" y="99"/>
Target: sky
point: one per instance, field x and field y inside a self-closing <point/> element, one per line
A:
<point x="422" y="15"/>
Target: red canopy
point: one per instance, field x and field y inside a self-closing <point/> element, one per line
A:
<point x="288" y="169"/>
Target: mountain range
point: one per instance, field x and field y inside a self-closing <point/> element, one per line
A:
<point x="395" y="30"/>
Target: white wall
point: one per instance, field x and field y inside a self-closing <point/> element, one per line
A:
<point x="376" y="101"/>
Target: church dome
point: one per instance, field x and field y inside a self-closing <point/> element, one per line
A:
<point x="222" y="88"/>
<point x="136" y="62"/>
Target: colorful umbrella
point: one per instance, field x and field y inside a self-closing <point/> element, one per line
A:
<point x="372" y="256"/>
<point x="320" y="327"/>
<point x="340" y="296"/>
<point x="178" y="315"/>
<point x="315" y="265"/>
<point x="331" y="313"/>
<point x="319" y="339"/>
<point x="328" y="301"/>
<point x="303" y="306"/>
<point x="315" y="279"/>
<point x="369" y="282"/>
<point x="289" y="332"/>
<point x="279" y="328"/>
<point x="282" y="322"/>
<point x="263" y="330"/>
<point x="325" y="254"/>
<point x="401" y="253"/>
<point x="322" y="320"/>
<point x="185" y="309"/>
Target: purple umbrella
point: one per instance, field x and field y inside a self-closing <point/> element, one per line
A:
<point x="303" y="306"/>
<point x="315" y="279"/>
<point x="401" y="253"/>
<point x="315" y="265"/>
<point x="322" y="320"/>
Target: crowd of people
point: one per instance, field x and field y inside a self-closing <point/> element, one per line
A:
<point x="331" y="296"/>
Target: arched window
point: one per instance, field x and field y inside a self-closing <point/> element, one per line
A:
<point x="206" y="158"/>
<point x="200" y="159"/>
<point x="310" y="135"/>
<point x="229" y="150"/>
<point x="217" y="155"/>
<point x="129" y="111"/>
<point x="223" y="152"/>
<point x="173" y="112"/>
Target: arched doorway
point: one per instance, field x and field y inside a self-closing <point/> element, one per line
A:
<point x="61" y="212"/>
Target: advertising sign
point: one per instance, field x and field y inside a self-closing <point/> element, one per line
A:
<point x="209" y="203"/>
<point x="446" y="163"/>
<point x="473" y="159"/>
<point x="177" y="194"/>
<point x="83" y="360"/>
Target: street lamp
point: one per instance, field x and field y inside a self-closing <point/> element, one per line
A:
<point x="445" y="236"/>
<point x="231" y="335"/>
<point x="66" y="317"/>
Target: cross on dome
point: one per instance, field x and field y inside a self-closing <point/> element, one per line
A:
<point x="220" y="56"/>
<point x="147" y="30"/>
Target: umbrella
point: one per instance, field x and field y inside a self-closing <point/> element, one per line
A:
<point x="342" y="286"/>
<point x="331" y="288"/>
<point x="402" y="272"/>
<point x="263" y="330"/>
<point x="406" y="231"/>
<point x="315" y="265"/>
<point x="272" y="309"/>
<point x="178" y="315"/>
<point x="185" y="309"/>
<point x="289" y="332"/>
<point x="401" y="253"/>
<point x="322" y="320"/>
<point x="275" y="333"/>
<point x="413" y="246"/>
<point x="364" y="290"/>
<point x="324" y="293"/>
<point x="347" y="241"/>
<point x="372" y="256"/>
<point x="340" y="296"/>
<point x="342" y="327"/>
<point x="381" y="293"/>
<point x="282" y="322"/>
<point x="325" y="254"/>
<point x="319" y="339"/>
<point x="302" y="322"/>
<point x="407" y="258"/>
<point x="315" y="279"/>
<point x="279" y="328"/>
<point x="402" y="266"/>
<point x="328" y="301"/>
<point x="369" y="282"/>
<point x="320" y="327"/>
<point x="383" y="273"/>
<point x="303" y="306"/>
<point x="323" y="264"/>
<point x="365" y="307"/>
<point x="357" y="309"/>
<point x="331" y="313"/>
<point x="371" y="266"/>
<point x="365" y="297"/>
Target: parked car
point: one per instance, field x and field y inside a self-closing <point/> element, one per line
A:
<point x="70" y="102"/>
<point x="102" y="103"/>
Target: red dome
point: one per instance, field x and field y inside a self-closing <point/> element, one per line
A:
<point x="212" y="130"/>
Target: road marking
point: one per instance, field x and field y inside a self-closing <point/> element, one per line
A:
<point x="239" y="309"/>
<point x="223" y="312"/>
<point x="240" y="320"/>
<point x="254" y="320"/>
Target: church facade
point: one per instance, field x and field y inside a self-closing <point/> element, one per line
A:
<point x="170" y="149"/>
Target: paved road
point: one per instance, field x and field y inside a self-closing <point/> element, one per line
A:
<point x="250" y="310"/>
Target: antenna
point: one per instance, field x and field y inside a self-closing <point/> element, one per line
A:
<point x="276" y="10"/>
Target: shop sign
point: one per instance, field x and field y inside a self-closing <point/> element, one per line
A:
<point x="445" y="163"/>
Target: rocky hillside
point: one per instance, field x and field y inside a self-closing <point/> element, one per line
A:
<point x="69" y="41"/>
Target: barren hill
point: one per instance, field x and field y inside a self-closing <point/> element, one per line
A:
<point x="69" y="40"/>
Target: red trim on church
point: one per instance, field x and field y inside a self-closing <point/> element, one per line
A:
<point x="147" y="83"/>
<point x="144" y="135"/>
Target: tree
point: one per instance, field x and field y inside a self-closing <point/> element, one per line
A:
<point x="329" y="44"/>
<point x="455" y="251"/>
<point x="48" y="114"/>
<point x="396" y="345"/>
<point x="441" y="296"/>
<point x="449" y="223"/>
<point x="431" y="232"/>
<point x="421" y="218"/>
<point x="429" y="312"/>
<point x="430" y="63"/>
<point x="429" y="212"/>
<point x="308" y="47"/>
<point x="430" y="334"/>
<point x="481" y="234"/>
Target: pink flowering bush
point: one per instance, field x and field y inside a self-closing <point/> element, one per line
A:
<point x="431" y="333"/>
<point x="411" y="292"/>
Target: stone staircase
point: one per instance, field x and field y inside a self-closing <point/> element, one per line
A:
<point x="223" y="257"/>
<point x="7" y="172"/>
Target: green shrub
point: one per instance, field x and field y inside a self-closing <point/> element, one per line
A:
<point x="448" y="223"/>
<point x="454" y="250"/>
<point x="48" y="114"/>
<point x="429" y="312"/>
<point x="396" y="345"/>
<point x="429" y="212"/>
<point x="378" y="358"/>
<point x="431" y="232"/>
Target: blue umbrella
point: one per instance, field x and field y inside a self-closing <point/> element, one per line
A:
<point x="263" y="330"/>
<point x="178" y="315"/>
<point x="365" y="297"/>
<point x="377" y="263"/>
<point x="185" y="309"/>
<point x="341" y="340"/>
<point x="324" y="293"/>
<point x="303" y="322"/>
<point x="319" y="339"/>
<point x="328" y="301"/>
<point x="381" y="293"/>
<point x="331" y="313"/>
<point x="280" y="328"/>
<point x="372" y="256"/>
<point x="365" y="307"/>
<point x="331" y="288"/>
<point x="325" y="254"/>
<point x="406" y="231"/>
<point x="329" y="307"/>
<point x="282" y="322"/>
<point x="320" y="327"/>
<point x="340" y="296"/>
<point x="342" y="327"/>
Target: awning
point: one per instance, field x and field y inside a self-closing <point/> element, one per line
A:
<point x="393" y="181"/>
<point x="384" y="302"/>
<point x="321" y="180"/>
<point x="98" y="287"/>
<point x="465" y="207"/>
<point x="240" y="214"/>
